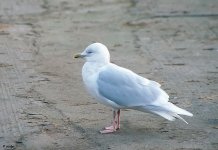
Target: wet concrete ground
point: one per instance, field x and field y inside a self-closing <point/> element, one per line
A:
<point x="43" y="103"/>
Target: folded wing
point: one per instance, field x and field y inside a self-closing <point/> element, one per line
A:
<point x="128" y="89"/>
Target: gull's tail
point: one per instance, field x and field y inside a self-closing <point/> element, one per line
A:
<point x="168" y="110"/>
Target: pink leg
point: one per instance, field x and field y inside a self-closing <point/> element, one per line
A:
<point x="115" y="123"/>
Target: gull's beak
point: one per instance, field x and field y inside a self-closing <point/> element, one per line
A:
<point x="79" y="56"/>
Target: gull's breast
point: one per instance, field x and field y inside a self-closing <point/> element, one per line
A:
<point x="90" y="74"/>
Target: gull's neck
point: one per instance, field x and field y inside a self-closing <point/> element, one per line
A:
<point x="92" y="67"/>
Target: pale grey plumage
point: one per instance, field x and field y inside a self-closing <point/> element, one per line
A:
<point x="121" y="88"/>
<point x="126" y="88"/>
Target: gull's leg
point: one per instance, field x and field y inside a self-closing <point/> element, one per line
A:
<point x="115" y="123"/>
<point x="113" y="127"/>
<point x="116" y="117"/>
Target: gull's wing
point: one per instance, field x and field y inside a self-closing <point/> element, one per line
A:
<point x="128" y="89"/>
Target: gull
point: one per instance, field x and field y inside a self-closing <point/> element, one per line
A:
<point x="120" y="88"/>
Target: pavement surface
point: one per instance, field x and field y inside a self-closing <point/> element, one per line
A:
<point x="43" y="103"/>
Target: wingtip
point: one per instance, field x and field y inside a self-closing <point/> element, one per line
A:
<point x="189" y="114"/>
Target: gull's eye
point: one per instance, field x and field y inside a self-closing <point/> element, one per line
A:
<point x="89" y="52"/>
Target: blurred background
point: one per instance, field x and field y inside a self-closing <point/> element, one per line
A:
<point x="43" y="103"/>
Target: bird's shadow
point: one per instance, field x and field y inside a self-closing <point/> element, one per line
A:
<point x="131" y="129"/>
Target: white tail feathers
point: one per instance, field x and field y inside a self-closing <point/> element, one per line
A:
<point x="168" y="111"/>
<point x="169" y="116"/>
<point x="173" y="108"/>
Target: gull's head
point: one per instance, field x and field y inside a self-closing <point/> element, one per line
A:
<point x="95" y="52"/>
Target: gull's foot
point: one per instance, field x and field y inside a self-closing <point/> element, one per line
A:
<point x="107" y="131"/>
<point x="111" y="128"/>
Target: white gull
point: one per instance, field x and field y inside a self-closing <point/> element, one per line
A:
<point x="120" y="88"/>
